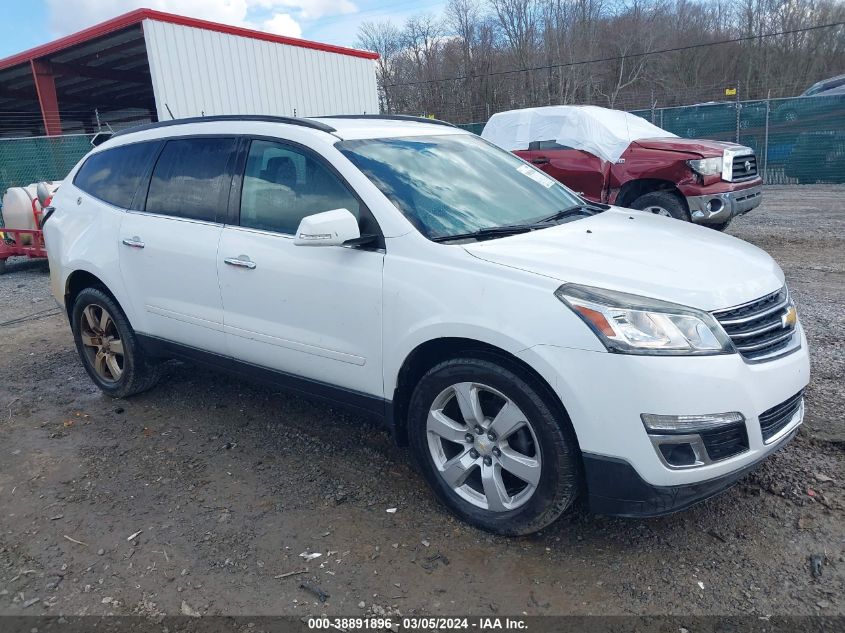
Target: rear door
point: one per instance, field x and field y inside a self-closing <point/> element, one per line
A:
<point x="168" y="250"/>
<point x="314" y="312"/>
<point x="581" y="171"/>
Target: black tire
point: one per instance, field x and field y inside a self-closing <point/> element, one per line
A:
<point x="559" y="481"/>
<point x="667" y="200"/>
<point x="139" y="372"/>
<point x="2" y="266"/>
<point x="721" y="226"/>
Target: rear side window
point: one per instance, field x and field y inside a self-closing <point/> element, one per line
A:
<point x="114" y="175"/>
<point x="191" y="179"/>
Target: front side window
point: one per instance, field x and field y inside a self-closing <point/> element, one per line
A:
<point x="457" y="183"/>
<point x="191" y="179"/>
<point x="282" y="185"/>
<point x="113" y="175"/>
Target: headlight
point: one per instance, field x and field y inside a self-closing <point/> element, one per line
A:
<point x="707" y="166"/>
<point x="629" y="324"/>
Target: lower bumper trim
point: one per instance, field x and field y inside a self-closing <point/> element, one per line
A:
<point x="720" y="207"/>
<point x="615" y="488"/>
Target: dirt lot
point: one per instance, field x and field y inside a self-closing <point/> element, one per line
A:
<point x="201" y="495"/>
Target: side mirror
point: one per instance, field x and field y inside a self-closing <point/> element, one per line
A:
<point x="330" y="228"/>
<point x="43" y="194"/>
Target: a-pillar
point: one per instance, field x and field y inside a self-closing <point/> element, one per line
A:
<point x="45" y="86"/>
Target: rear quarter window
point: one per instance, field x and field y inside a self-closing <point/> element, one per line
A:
<point x="114" y="175"/>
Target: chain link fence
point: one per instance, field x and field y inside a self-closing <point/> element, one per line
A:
<point x="798" y="140"/>
<point x="27" y="160"/>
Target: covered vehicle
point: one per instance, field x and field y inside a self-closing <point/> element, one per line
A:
<point x="619" y="158"/>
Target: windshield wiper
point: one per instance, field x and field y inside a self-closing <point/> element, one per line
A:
<point x="490" y="232"/>
<point x="585" y="209"/>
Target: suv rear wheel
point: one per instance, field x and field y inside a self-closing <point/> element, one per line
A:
<point x="492" y="448"/>
<point x="663" y="203"/>
<point x="107" y="346"/>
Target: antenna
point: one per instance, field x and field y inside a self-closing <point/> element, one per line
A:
<point x="169" y="111"/>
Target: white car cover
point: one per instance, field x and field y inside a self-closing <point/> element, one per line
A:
<point x="602" y="132"/>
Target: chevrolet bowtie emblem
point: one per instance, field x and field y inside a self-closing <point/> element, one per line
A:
<point x="789" y="318"/>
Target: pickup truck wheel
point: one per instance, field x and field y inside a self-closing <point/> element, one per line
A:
<point x="492" y="448"/>
<point x="107" y="346"/>
<point x="663" y="203"/>
<point x="2" y="266"/>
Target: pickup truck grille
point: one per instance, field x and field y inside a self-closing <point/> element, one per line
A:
<point x="760" y="329"/>
<point x="744" y="167"/>
<point x="774" y="419"/>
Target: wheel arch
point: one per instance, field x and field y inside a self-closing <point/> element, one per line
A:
<point x="434" y="351"/>
<point x="77" y="281"/>
<point x="633" y="189"/>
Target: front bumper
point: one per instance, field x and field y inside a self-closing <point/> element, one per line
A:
<point x="716" y="208"/>
<point x="604" y="395"/>
<point x="614" y="487"/>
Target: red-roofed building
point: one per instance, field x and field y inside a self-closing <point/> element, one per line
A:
<point x="147" y="65"/>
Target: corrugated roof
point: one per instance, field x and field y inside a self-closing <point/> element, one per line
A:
<point x="137" y="16"/>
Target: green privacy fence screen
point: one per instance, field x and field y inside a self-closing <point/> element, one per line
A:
<point x="27" y="160"/>
<point x="797" y="140"/>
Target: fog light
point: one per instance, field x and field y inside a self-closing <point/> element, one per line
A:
<point x="668" y="424"/>
<point x="678" y="454"/>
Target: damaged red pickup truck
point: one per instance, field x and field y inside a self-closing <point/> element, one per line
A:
<point x="618" y="158"/>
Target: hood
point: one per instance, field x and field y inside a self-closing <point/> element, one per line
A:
<point x="702" y="147"/>
<point x="644" y="254"/>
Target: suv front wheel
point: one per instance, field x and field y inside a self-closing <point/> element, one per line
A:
<point x="107" y="346"/>
<point x="492" y="448"/>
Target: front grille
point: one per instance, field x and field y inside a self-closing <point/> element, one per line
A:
<point x="744" y="167"/>
<point x="773" y="420"/>
<point x="759" y="329"/>
<point x="725" y="442"/>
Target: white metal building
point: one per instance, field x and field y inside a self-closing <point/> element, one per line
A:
<point x="147" y="65"/>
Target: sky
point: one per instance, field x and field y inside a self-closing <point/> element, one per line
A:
<point x="25" y="24"/>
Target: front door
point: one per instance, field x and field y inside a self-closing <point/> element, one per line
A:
<point x="581" y="171"/>
<point x="312" y="312"/>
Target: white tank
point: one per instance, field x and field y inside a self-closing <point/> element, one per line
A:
<point x="17" y="208"/>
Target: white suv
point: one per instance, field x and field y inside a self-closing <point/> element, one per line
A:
<point x="529" y="346"/>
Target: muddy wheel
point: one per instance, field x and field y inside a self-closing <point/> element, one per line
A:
<point x="107" y="346"/>
<point x="492" y="448"/>
<point x="663" y="203"/>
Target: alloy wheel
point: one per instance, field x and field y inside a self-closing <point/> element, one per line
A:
<point x="483" y="447"/>
<point x="101" y="342"/>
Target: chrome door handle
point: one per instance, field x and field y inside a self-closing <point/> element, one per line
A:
<point x="243" y="261"/>
<point x="134" y="242"/>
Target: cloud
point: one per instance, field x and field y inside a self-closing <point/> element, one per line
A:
<point x="274" y="16"/>
<point x="315" y="9"/>
<point x="282" y="24"/>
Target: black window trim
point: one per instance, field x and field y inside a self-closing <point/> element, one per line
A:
<point x="237" y="187"/>
<point x="141" y="183"/>
<point x="230" y="167"/>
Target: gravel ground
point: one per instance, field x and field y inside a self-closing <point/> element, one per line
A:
<point x="201" y="495"/>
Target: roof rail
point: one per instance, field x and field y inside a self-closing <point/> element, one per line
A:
<point x="389" y="117"/>
<point x="316" y="125"/>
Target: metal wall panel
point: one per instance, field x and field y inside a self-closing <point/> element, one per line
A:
<point x="197" y="71"/>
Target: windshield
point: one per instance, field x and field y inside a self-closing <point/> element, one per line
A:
<point x="457" y="183"/>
